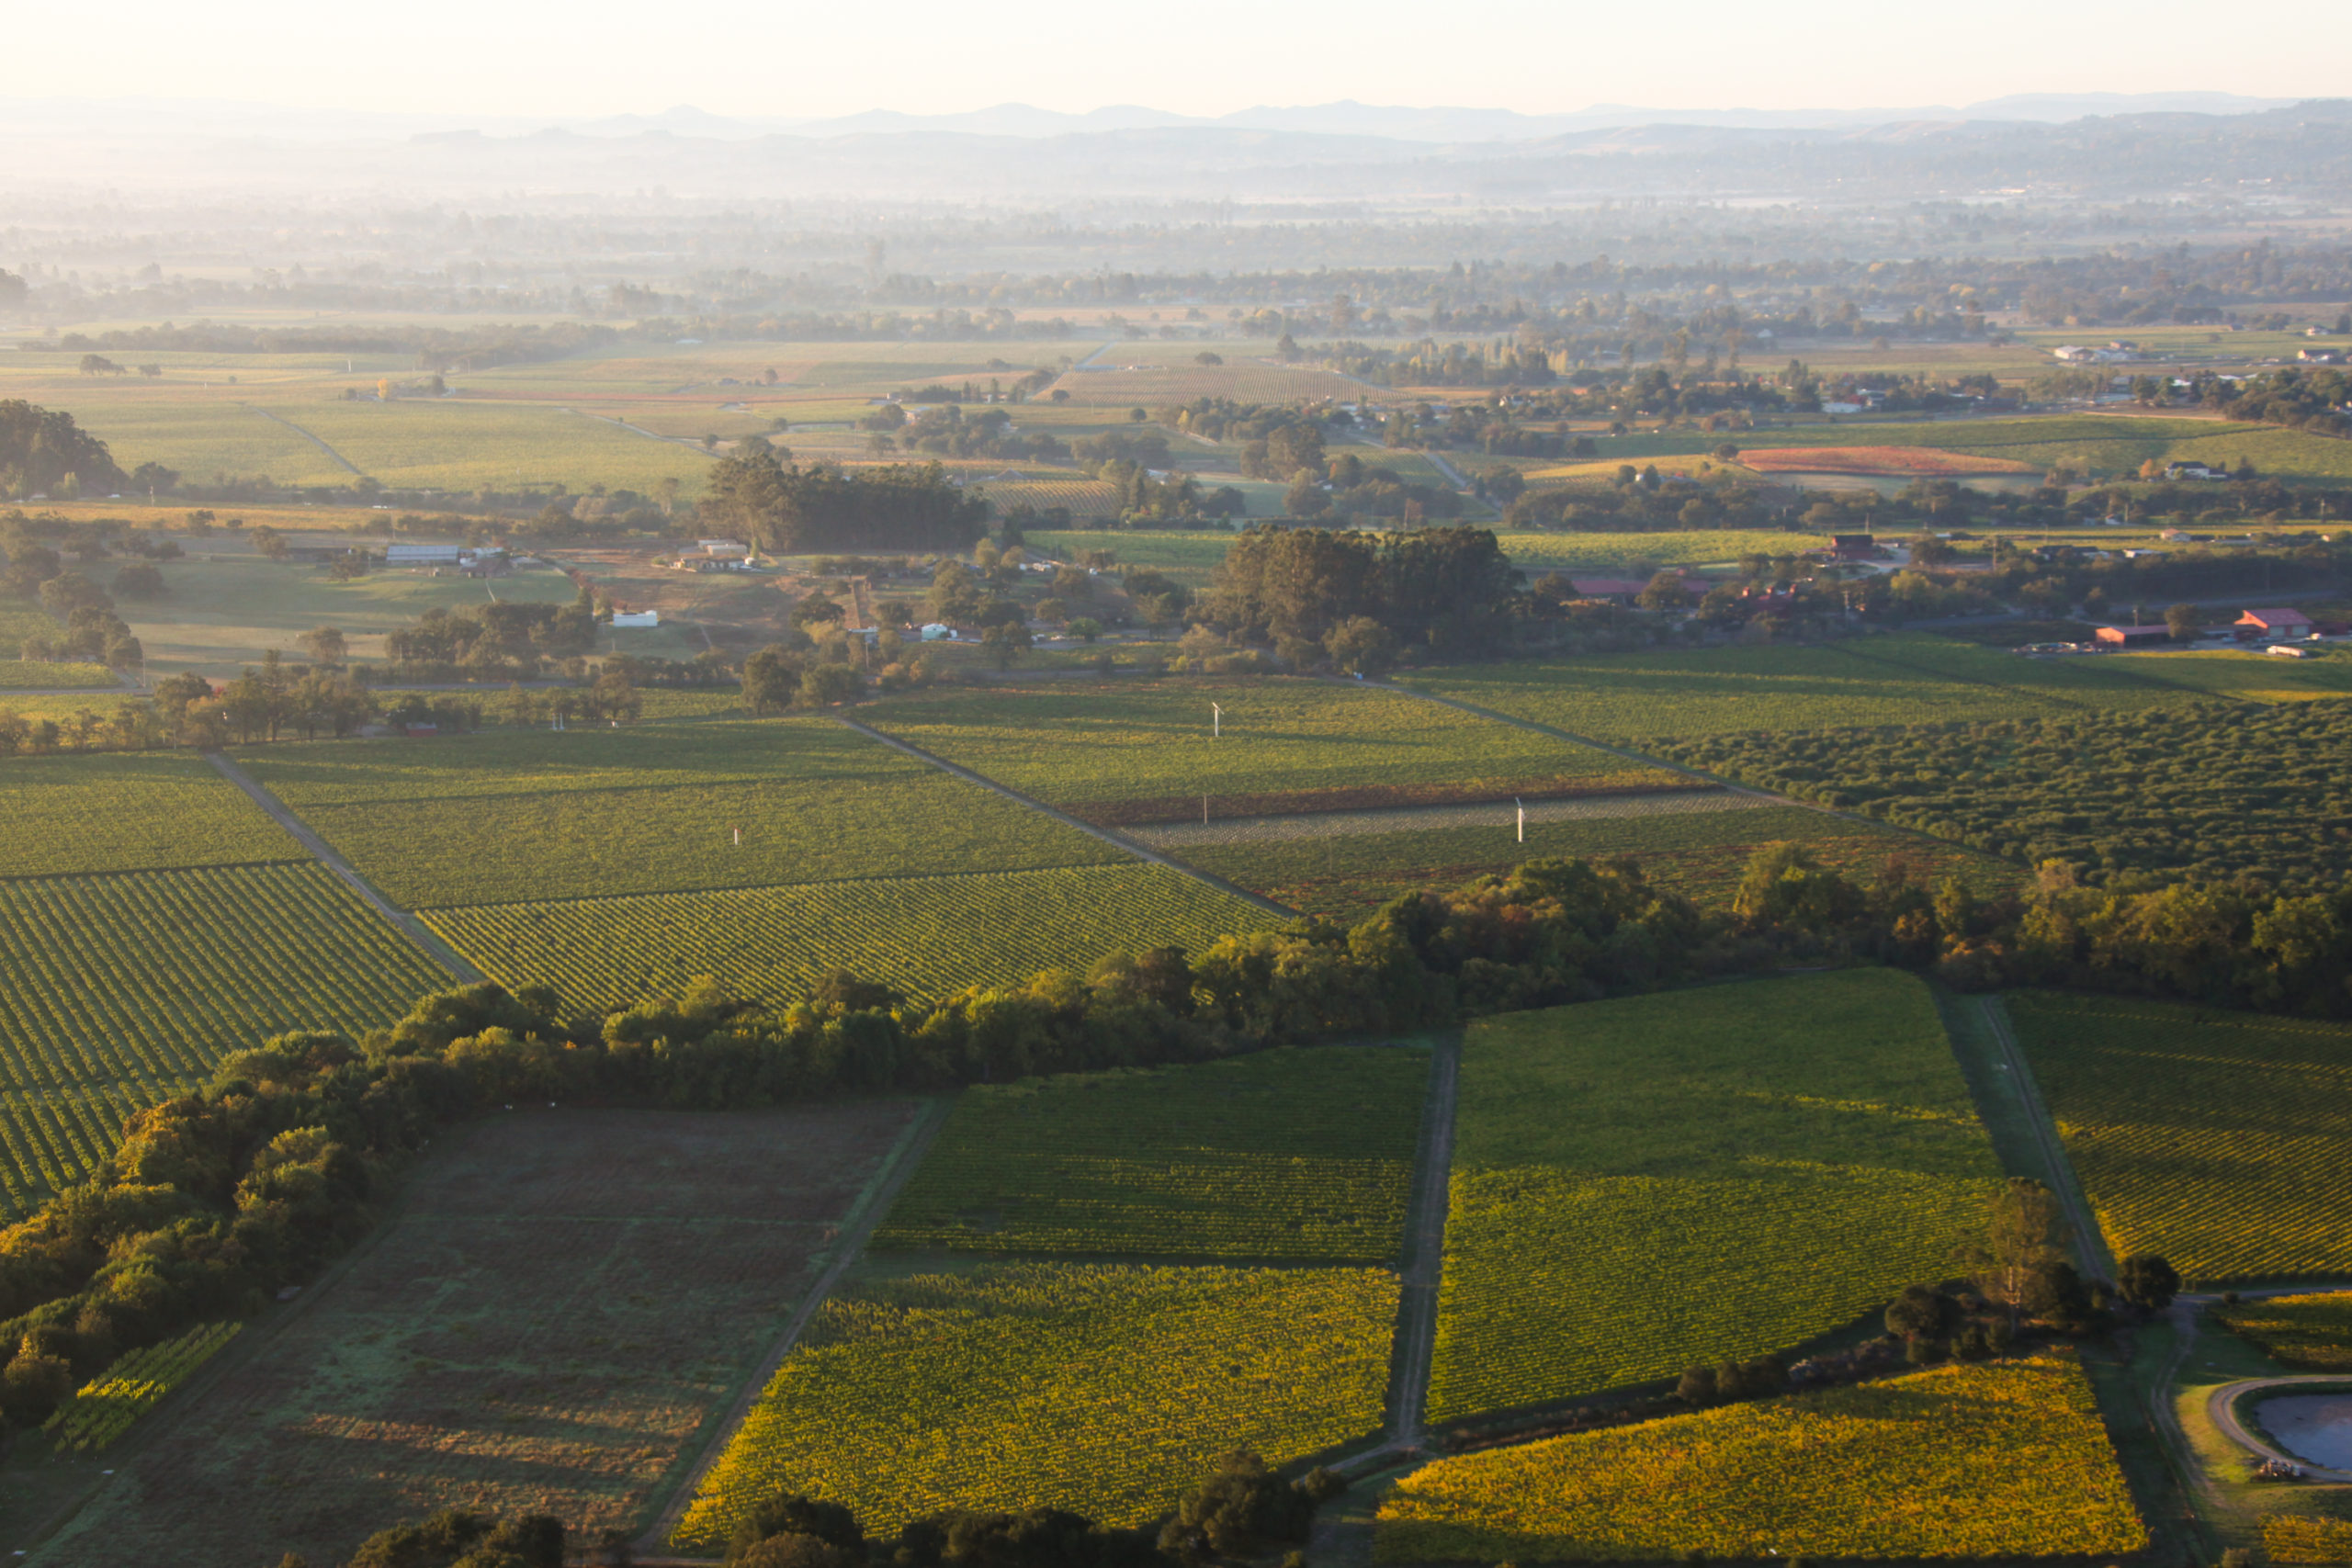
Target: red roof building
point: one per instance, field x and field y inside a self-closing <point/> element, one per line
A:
<point x="2290" y="621"/>
<point x="2130" y="637"/>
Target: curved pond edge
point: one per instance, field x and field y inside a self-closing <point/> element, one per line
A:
<point x="2222" y="1404"/>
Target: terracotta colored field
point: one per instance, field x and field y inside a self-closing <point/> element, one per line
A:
<point x="1896" y="460"/>
<point x="565" y="1299"/>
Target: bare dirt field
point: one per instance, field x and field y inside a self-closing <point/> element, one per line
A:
<point x="562" y="1309"/>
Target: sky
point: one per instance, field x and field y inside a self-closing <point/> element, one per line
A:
<point x="790" y="58"/>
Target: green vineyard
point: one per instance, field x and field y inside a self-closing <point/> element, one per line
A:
<point x="1149" y="753"/>
<point x="103" y="1408"/>
<point x="2220" y="1139"/>
<point x="1303" y="1153"/>
<point x="929" y="936"/>
<point x="536" y="814"/>
<point x="121" y="989"/>
<point x="1696" y="1176"/>
<point x="1101" y="1389"/>
<point x="137" y="811"/>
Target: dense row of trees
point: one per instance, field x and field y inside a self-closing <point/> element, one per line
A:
<point x="504" y="640"/>
<point x="788" y="510"/>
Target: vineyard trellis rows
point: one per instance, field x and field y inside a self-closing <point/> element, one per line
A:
<point x="1099" y="1388"/>
<point x="1176" y="837"/>
<point x="1279" y="1154"/>
<point x="2002" y="1460"/>
<point x="2221" y="1141"/>
<point x="124" y="988"/>
<point x="103" y="1408"/>
<point x="76" y="814"/>
<point x="930" y="936"/>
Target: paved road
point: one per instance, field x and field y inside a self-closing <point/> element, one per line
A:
<point x="1110" y="836"/>
<point x="848" y="1246"/>
<point x="408" y="925"/>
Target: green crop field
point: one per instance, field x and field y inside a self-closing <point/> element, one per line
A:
<point x="1646" y="698"/>
<point x="457" y="444"/>
<point x="128" y="811"/>
<point x="536" y="814"/>
<point x="928" y="936"/>
<point x="2221" y="1141"/>
<point x="122" y="990"/>
<point x="1700" y="854"/>
<point x="2307" y="1538"/>
<point x="1186" y="554"/>
<point x="2208" y="790"/>
<point x="1613" y="555"/>
<point x="202" y="432"/>
<point x="1146" y="754"/>
<point x="2005" y="1461"/>
<point x="1101" y="1389"/>
<point x="1295" y="1154"/>
<point x="30" y="674"/>
<point x="1646" y="1184"/>
<point x="2313" y="1333"/>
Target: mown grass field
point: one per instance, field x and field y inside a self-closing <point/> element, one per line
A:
<point x="1646" y="1184"/>
<point x="120" y="990"/>
<point x="518" y="816"/>
<point x="128" y="811"/>
<point x="1282" y="1155"/>
<point x="928" y="936"/>
<point x="1698" y="854"/>
<point x="561" y="1302"/>
<point x="2003" y="1461"/>
<point x="1102" y="1388"/>
<point x="1145" y="754"/>
<point x="2313" y="1333"/>
<point x="2220" y="1140"/>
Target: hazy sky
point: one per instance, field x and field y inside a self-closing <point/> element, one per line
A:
<point x="777" y="57"/>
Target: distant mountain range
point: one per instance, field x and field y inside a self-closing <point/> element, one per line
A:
<point x="1442" y="125"/>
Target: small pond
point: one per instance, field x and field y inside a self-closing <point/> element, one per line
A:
<point x="2316" y="1427"/>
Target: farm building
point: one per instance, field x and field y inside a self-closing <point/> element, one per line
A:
<point x="637" y="618"/>
<point x="2130" y="637"/>
<point x="723" y="547"/>
<point x="1625" y="589"/>
<point x="1853" y="546"/>
<point x="2277" y="622"/>
<point x="422" y="554"/>
<point x="2196" y="471"/>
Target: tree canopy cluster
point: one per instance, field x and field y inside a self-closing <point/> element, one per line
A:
<point x="1447" y="588"/>
<point x="788" y="510"/>
<point x="41" y="449"/>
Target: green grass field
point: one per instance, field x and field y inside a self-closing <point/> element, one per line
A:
<point x="928" y="936"/>
<point x="1101" y="1389"/>
<point x="1283" y="1154"/>
<point x="224" y="608"/>
<point x="127" y="811"/>
<point x="518" y="816"/>
<point x="1145" y="754"/>
<point x="1646" y="1184"/>
<point x="2005" y="1461"/>
<point x="1698" y="854"/>
<point x="2221" y="1141"/>
<point x="123" y="989"/>
<point x="29" y="674"/>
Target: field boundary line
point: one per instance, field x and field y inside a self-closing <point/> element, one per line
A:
<point x="152" y="870"/>
<point x="408" y="925"/>
<point x="2090" y="1245"/>
<point x="1109" y="836"/>
<point x="306" y="435"/>
<point x="1424" y="1269"/>
<point x="857" y="1227"/>
<point x="695" y="447"/>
